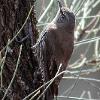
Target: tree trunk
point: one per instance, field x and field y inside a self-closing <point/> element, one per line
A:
<point x="13" y="14"/>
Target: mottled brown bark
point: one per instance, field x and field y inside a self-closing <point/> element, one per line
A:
<point x="12" y="15"/>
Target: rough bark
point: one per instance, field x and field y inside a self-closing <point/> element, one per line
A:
<point x="12" y="16"/>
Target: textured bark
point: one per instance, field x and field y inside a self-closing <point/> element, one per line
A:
<point x="12" y="16"/>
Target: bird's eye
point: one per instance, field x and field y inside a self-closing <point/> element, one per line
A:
<point x="61" y="19"/>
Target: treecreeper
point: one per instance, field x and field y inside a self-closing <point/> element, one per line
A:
<point x="54" y="47"/>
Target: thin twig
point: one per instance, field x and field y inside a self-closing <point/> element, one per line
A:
<point x="50" y="82"/>
<point x="18" y="61"/>
<point x="88" y="17"/>
<point x="46" y="10"/>
<point x="81" y="78"/>
<point x="86" y="41"/>
<point x="19" y="29"/>
<point x="74" y="98"/>
<point x="2" y="66"/>
<point x="76" y="81"/>
<point x="44" y="85"/>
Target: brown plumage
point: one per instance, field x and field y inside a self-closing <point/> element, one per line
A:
<point x="54" y="46"/>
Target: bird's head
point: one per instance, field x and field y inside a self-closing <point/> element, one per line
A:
<point x="65" y="17"/>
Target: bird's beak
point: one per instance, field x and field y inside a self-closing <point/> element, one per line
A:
<point x="60" y="6"/>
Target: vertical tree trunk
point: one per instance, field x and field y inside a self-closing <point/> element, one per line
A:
<point x="12" y="16"/>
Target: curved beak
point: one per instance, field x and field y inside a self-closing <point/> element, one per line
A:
<point x="60" y="6"/>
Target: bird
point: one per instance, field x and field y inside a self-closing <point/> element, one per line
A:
<point x="55" y="46"/>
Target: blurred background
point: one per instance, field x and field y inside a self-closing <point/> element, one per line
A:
<point x="82" y="78"/>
